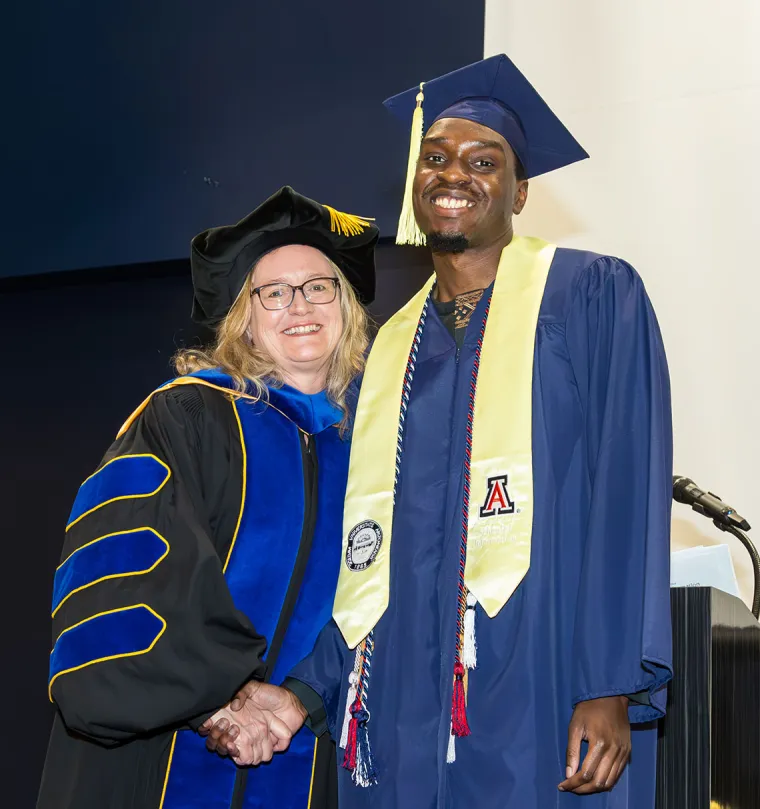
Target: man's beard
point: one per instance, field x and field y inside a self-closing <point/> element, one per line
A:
<point x="447" y="242"/>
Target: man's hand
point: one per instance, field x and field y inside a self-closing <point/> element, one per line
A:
<point x="284" y="704"/>
<point x="603" y="723"/>
<point x="250" y="736"/>
<point x="260" y="721"/>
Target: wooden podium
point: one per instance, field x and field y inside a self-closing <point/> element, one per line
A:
<point x="709" y="742"/>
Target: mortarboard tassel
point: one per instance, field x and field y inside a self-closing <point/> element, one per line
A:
<point x="347" y="224"/>
<point x="408" y="230"/>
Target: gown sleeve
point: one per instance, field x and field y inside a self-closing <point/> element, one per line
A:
<point x="145" y="633"/>
<point x="622" y="629"/>
<point x="317" y="680"/>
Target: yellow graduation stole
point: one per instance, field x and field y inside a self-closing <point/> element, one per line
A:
<point x="500" y="515"/>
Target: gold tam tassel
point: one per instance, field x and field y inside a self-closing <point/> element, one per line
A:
<point x="408" y="230"/>
<point x="346" y="223"/>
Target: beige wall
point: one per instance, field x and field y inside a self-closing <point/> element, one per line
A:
<point x="665" y="96"/>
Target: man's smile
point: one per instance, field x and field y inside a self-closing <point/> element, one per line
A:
<point x="451" y="203"/>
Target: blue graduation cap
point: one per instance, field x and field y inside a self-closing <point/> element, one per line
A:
<point x="493" y="93"/>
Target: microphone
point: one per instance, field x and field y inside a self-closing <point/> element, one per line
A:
<point x="709" y="505"/>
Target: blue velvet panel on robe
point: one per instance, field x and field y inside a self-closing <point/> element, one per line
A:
<point x="592" y="616"/>
<point x="258" y="575"/>
<point x="124" y="477"/>
<point x="125" y="553"/>
<point x="124" y="632"/>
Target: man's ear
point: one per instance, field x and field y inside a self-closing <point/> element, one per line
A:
<point x="521" y="197"/>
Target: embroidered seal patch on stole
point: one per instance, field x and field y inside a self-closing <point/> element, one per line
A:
<point x="364" y="542"/>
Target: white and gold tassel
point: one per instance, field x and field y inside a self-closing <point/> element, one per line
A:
<point x="408" y="230"/>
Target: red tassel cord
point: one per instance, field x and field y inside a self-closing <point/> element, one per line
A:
<point x="459" y="726"/>
<point x="349" y="756"/>
<point x="465" y="637"/>
<point x="358" y="755"/>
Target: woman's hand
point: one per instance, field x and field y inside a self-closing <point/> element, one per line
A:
<point x="260" y="721"/>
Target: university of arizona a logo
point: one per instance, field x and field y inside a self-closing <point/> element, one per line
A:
<point x="497" y="498"/>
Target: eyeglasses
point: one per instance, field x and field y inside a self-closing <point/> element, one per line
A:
<point x="281" y="296"/>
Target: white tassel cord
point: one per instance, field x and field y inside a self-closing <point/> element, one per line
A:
<point x="470" y="647"/>
<point x="364" y="775"/>
<point x="451" y="753"/>
<point x="353" y="679"/>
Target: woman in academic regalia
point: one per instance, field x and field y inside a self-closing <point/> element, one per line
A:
<point x="204" y="551"/>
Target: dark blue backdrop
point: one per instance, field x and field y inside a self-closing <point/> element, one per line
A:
<point x="138" y="124"/>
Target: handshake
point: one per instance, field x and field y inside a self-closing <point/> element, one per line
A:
<point x="260" y="721"/>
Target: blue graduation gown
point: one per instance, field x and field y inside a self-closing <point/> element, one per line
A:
<point x="592" y="616"/>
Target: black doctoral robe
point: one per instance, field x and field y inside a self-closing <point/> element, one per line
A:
<point x="209" y="532"/>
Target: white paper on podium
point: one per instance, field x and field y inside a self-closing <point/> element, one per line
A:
<point x="704" y="566"/>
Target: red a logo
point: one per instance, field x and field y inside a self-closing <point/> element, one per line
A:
<point x="497" y="498"/>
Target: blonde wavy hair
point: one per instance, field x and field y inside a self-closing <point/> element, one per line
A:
<point x="235" y="354"/>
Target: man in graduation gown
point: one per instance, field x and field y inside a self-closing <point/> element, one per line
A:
<point x="202" y="553"/>
<point x="501" y="633"/>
